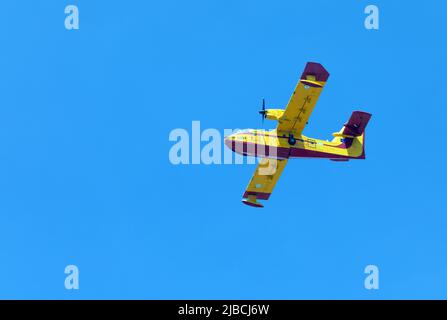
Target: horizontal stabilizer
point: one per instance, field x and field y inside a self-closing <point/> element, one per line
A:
<point x="341" y="135"/>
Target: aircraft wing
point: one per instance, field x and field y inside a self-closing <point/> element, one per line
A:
<point x="263" y="181"/>
<point x="303" y="99"/>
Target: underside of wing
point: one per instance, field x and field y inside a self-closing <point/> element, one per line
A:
<point x="263" y="181"/>
<point x="303" y="99"/>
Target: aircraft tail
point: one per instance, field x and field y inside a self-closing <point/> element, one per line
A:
<point x="356" y="124"/>
<point x="354" y="131"/>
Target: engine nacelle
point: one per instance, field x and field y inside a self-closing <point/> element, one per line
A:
<point x="274" y="114"/>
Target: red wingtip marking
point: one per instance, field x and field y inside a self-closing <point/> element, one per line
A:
<point x="252" y="204"/>
<point x="317" y="70"/>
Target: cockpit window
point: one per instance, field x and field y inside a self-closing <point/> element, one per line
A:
<point x="243" y="131"/>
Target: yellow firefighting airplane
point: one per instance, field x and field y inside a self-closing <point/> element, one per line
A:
<point x="279" y="145"/>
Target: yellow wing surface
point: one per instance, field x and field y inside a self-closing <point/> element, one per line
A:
<point x="303" y="99"/>
<point x="263" y="181"/>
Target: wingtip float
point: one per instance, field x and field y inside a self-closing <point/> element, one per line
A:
<point x="286" y="141"/>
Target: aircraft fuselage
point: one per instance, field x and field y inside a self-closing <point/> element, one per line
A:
<point x="270" y="144"/>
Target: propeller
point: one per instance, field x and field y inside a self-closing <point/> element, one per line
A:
<point x="262" y="112"/>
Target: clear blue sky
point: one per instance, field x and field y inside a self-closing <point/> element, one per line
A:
<point x="85" y="177"/>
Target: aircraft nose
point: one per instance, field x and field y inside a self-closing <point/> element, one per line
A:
<point x="229" y="140"/>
